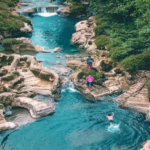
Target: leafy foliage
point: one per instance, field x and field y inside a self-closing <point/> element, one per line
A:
<point x="10" y="41"/>
<point x="137" y="62"/>
<point x="102" y="41"/>
<point x="127" y="26"/>
<point x="8" y="20"/>
<point x="92" y="72"/>
<point x="77" y="8"/>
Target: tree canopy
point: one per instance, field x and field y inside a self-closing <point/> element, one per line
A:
<point x="126" y="26"/>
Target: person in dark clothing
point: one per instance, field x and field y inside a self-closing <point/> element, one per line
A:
<point x="89" y="62"/>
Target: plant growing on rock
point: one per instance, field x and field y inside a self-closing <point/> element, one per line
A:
<point x="11" y="41"/>
<point x="9" y="21"/>
<point x="93" y="72"/>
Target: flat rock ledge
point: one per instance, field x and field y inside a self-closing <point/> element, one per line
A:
<point x="136" y="97"/>
<point x="37" y="108"/>
<point x="114" y="82"/>
<point x="27" y="46"/>
<point x="22" y="78"/>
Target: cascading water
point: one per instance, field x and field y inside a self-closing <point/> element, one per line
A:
<point x="46" y="11"/>
<point x="68" y="85"/>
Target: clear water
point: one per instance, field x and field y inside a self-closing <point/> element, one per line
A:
<point x="80" y="125"/>
<point x="51" y="32"/>
<point x="77" y="123"/>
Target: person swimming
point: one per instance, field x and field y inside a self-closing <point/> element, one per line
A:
<point x="110" y="117"/>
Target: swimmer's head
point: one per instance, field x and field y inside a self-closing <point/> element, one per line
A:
<point x="109" y="114"/>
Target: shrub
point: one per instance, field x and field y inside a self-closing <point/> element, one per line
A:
<point x="137" y="62"/>
<point x="102" y="41"/>
<point x="16" y="73"/>
<point x="118" y="54"/>
<point x="77" y="9"/>
<point x="8" y="21"/>
<point x="91" y="72"/>
<point x="8" y="77"/>
<point x="11" y="41"/>
<point x="148" y="86"/>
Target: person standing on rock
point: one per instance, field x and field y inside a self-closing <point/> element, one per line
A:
<point x="110" y="117"/>
<point x="89" y="62"/>
<point x="90" y="80"/>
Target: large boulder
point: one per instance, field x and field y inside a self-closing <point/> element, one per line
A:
<point x="85" y="35"/>
<point x="64" y="11"/>
<point x="74" y="63"/>
<point x="27" y="28"/>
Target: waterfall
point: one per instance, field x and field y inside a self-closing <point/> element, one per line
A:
<point x="47" y="11"/>
<point x="68" y="85"/>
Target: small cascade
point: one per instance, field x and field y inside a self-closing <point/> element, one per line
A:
<point x="47" y="11"/>
<point x="68" y="85"/>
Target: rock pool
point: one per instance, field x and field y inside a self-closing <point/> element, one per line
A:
<point x="77" y="123"/>
<point x="80" y="125"/>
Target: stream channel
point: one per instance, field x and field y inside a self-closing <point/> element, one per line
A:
<point x="77" y="124"/>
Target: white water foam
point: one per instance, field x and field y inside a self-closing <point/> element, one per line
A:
<point x="113" y="128"/>
<point x="46" y="14"/>
<point x="69" y="86"/>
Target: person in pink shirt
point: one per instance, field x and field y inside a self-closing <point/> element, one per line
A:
<point x="90" y="80"/>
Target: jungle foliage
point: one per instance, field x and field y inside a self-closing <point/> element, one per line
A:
<point x="77" y="8"/>
<point x="124" y="27"/>
<point x="9" y="21"/>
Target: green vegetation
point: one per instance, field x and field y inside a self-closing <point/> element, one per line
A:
<point x="9" y="21"/>
<point x="148" y="86"/>
<point x="8" y="77"/>
<point x="124" y="27"/>
<point x="93" y="72"/>
<point x="16" y="73"/>
<point x="85" y="72"/>
<point x="10" y="41"/>
<point x="137" y="62"/>
<point x="77" y="8"/>
<point x="102" y="41"/>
